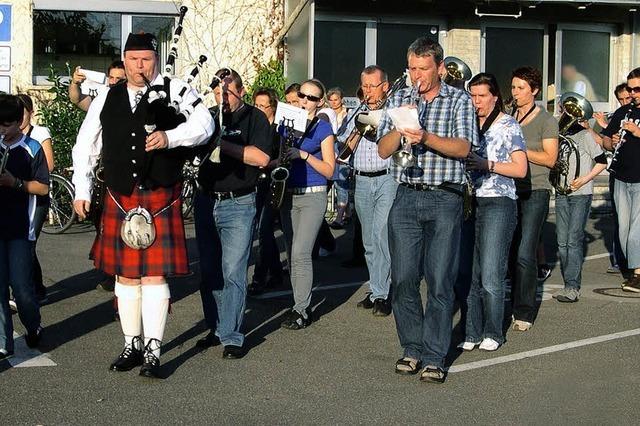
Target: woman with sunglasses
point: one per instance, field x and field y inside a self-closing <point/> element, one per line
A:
<point x="500" y="158"/>
<point x="312" y="163"/>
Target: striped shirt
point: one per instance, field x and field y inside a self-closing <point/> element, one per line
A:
<point x="451" y="115"/>
<point x="366" y="158"/>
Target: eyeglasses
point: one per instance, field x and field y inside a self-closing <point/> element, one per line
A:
<point x="310" y="97"/>
<point x="371" y="86"/>
<point x="633" y="89"/>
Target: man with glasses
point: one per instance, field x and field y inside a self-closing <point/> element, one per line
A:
<point x="425" y="220"/>
<point x="622" y="136"/>
<point x="224" y="210"/>
<point x="375" y="191"/>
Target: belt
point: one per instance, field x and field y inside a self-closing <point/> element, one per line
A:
<point x="230" y="194"/>
<point x="372" y="174"/>
<point x="455" y="188"/>
<point x="307" y="189"/>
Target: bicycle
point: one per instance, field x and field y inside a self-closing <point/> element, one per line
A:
<point x="61" y="213"/>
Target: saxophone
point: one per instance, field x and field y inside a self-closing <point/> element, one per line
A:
<point x="280" y="174"/>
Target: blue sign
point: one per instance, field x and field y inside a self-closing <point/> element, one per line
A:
<point x="5" y="22"/>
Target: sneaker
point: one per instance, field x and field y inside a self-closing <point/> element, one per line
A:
<point x="33" y="338"/>
<point x="295" y="320"/>
<point x="381" y="307"/>
<point x="489" y="345"/>
<point x="567" y="295"/>
<point x="366" y="303"/>
<point x="467" y="346"/>
<point x="5" y="354"/>
<point x="519" y="325"/>
<point x="615" y="269"/>
<point x="632" y="284"/>
<point x="544" y="272"/>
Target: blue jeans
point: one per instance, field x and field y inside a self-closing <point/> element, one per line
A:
<point x="424" y="239"/>
<point x="341" y="183"/>
<point x="373" y="198"/>
<point x="224" y="234"/>
<point x="15" y="271"/>
<point x="268" y="260"/>
<point x="494" y="226"/>
<point x="627" y="196"/>
<point x="572" y="213"/>
<point x="533" y="208"/>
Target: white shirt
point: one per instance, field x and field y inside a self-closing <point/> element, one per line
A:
<point x="195" y="131"/>
<point x="40" y="133"/>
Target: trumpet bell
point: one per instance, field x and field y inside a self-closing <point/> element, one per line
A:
<point x="404" y="159"/>
<point x="457" y="71"/>
<point x="575" y="108"/>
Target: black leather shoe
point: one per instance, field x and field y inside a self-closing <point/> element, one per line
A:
<point x="233" y="352"/>
<point x="208" y="341"/>
<point x="381" y="307"/>
<point x="33" y="337"/>
<point x="108" y="284"/>
<point x="129" y="359"/>
<point x="151" y="366"/>
<point x="295" y="321"/>
<point x="365" y="303"/>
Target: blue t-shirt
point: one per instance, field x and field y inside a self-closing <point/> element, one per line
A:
<point x="302" y="175"/>
<point x="27" y="162"/>
<point x="503" y="138"/>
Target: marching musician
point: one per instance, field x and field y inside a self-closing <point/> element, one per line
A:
<point x="224" y="211"/>
<point x="267" y="272"/>
<point x="374" y="194"/>
<point x="573" y="207"/>
<point x="622" y="135"/>
<point x="425" y="220"/>
<point x="534" y="190"/>
<point x="312" y="162"/>
<point x="142" y="175"/>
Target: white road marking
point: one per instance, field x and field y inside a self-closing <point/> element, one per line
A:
<point x="27" y="357"/>
<point x="543" y="351"/>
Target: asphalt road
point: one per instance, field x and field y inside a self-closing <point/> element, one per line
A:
<point x="338" y="371"/>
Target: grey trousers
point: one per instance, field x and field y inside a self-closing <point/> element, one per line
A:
<point x="301" y="217"/>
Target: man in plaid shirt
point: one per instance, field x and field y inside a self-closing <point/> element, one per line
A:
<point x="426" y="218"/>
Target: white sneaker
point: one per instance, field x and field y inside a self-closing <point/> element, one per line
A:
<point x="519" y="325"/>
<point x="488" y="344"/>
<point x="467" y="346"/>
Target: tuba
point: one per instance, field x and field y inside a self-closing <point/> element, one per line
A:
<point x="575" y="108"/>
<point x="457" y="72"/>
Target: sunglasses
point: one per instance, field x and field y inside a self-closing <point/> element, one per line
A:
<point x="633" y="89"/>
<point x="310" y="97"/>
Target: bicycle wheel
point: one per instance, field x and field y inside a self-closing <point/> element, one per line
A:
<point x="188" y="192"/>
<point x="61" y="214"/>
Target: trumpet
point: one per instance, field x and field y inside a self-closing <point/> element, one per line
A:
<point x="404" y="157"/>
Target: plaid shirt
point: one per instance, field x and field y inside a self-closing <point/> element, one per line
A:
<point x="451" y="115"/>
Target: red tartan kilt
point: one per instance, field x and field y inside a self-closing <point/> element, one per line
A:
<point x="168" y="253"/>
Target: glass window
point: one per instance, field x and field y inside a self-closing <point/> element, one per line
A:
<point x="89" y="39"/>
<point x="510" y="48"/>
<point x="585" y="64"/>
<point x="160" y="26"/>
<point x="339" y="49"/>
<point x="393" y="41"/>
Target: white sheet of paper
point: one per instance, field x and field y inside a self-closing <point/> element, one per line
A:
<point x="404" y="117"/>
<point x="94" y="83"/>
<point x="290" y="112"/>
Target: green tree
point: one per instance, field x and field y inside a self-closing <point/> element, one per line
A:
<point x="270" y="76"/>
<point x="62" y="118"/>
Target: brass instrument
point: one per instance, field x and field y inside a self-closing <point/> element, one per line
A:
<point x="576" y="108"/>
<point x="366" y="122"/>
<point x="457" y="72"/>
<point x="404" y="156"/>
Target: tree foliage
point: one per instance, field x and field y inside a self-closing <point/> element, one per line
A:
<point x="62" y="118"/>
<point x="270" y="76"/>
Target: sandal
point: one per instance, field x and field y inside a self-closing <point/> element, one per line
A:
<point x="432" y="374"/>
<point x="407" y="366"/>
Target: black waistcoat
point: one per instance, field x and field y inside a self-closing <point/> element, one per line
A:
<point x="125" y="162"/>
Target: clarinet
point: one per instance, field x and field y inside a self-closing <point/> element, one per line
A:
<point x="280" y="174"/>
<point x="622" y="133"/>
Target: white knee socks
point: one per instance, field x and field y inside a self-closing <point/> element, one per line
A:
<point x="155" y="308"/>
<point x="129" y="309"/>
